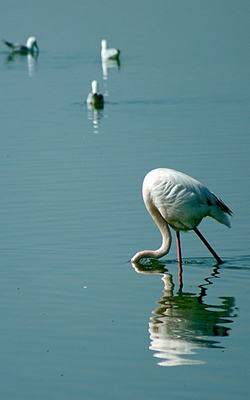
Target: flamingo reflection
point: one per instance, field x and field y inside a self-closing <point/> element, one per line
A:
<point x="184" y="322"/>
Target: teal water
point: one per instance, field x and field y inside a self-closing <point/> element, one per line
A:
<point x="78" y="321"/>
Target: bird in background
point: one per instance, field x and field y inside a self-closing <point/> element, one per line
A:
<point x="95" y="99"/>
<point x="181" y="202"/>
<point x="108" y="54"/>
<point x="30" y="47"/>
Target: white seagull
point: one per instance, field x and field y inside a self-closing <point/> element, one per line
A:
<point x="108" y="54"/>
<point x="29" y="47"/>
<point x="95" y="99"/>
<point x="177" y="200"/>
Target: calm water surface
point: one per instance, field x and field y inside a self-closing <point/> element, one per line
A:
<point x="78" y="320"/>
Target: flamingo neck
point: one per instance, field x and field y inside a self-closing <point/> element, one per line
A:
<point x="166" y="240"/>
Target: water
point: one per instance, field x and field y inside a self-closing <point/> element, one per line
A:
<point x="78" y="321"/>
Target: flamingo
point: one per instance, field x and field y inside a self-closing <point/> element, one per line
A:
<point x="21" y="48"/>
<point x="108" y="54"/>
<point x="177" y="200"/>
<point x="95" y="98"/>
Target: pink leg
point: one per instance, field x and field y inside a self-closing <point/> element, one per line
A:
<point x="178" y="247"/>
<point x="179" y="259"/>
<point x="219" y="261"/>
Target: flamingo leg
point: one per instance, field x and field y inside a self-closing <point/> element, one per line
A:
<point x="179" y="259"/>
<point x="218" y="259"/>
<point x="178" y="247"/>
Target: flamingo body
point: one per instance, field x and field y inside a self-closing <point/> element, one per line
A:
<point x="108" y="54"/>
<point x="30" y="46"/>
<point x="177" y="200"/>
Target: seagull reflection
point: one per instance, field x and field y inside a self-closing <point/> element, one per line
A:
<point x="21" y="58"/>
<point x="95" y="115"/>
<point x="184" y="322"/>
<point x="32" y="63"/>
<point x="106" y="65"/>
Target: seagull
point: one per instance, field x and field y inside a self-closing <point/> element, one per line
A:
<point x="95" y="99"/>
<point x="108" y="54"/>
<point x="28" y="48"/>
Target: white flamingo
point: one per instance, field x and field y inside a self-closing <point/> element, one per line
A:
<point x="177" y="200"/>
